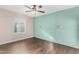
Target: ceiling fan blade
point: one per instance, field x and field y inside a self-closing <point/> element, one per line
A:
<point x="28" y="7"/>
<point x="42" y="11"/>
<point x="27" y="11"/>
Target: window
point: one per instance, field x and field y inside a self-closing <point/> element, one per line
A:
<point x="19" y="26"/>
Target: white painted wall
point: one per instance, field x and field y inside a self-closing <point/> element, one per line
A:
<point x="6" y="27"/>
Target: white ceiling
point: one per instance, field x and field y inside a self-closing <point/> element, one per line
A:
<point x="47" y="8"/>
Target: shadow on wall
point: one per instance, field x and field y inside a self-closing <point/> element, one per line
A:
<point x="47" y="35"/>
<point x="77" y="30"/>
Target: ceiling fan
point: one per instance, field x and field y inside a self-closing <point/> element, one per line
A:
<point x="35" y="8"/>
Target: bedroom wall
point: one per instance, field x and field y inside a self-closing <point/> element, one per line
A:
<point x="7" y="33"/>
<point x="60" y="27"/>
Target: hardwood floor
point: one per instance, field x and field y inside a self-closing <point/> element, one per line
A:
<point x="36" y="46"/>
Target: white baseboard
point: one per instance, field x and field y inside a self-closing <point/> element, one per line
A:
<point x="14" y="40"/>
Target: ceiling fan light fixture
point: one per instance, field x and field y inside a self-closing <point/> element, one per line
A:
<point x="35" y="13"/>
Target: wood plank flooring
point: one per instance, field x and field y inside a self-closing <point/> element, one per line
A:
<point x="36" y="46"/>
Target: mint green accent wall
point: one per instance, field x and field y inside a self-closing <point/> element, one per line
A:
<point x="60" y="27"/>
